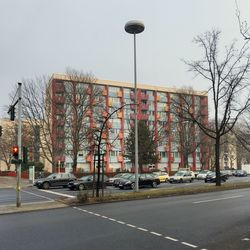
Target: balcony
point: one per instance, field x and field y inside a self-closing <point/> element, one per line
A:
<point x="139" y="116"/>
<point x="105" y="92"/>
<point x="61" y="133"/>
<point x="120" y="158"/>
<point x="89" y="91"/>
<point x="119" y="115"/>
<point x="109" y="124"/>
<point x="104" y="136"/>
<point x="143" y="96"/>
<point x="60" y="122"/>
<point x="88" y="158"/>
<point x="105" y="114"/>
<point x="144" y="106"/>
<point x="120" y="136"/>
<point x="59" y="99"/>
<point x="88" y="113"/>
<point x="61" y="145"/>
<point x="119" y="93"/>
<point x="59" y="87"/>
<point x="158" y="98"/>
<point x="110" y="103"/>
<point x="60" y="111"/>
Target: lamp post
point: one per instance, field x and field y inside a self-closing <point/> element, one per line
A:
<point x="135" y="27"/>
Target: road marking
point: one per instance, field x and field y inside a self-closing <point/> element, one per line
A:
<point x="130" y="225"/>
<point x="219" y="199"/>
<point x="121" y="222"/>
<point x="156" y="233"/>
<point x="170" y="238"/>
<point x="138" y="228"/>
<point x="38" y="195"/>
<point x="245" y="239"/>
<point x="52" y="192"/>
<point x="187" y="244"/>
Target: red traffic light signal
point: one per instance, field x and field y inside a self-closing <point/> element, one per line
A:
<point x="15" y="151"/>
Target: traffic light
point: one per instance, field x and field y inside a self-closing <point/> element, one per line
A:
<point x="12" y="112"/>
<point x="1" y="130"/>
<point x="15" y="151"/>
<point x="25" y="155"/>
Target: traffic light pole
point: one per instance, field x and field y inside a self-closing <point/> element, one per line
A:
<point x="19" y="141"/>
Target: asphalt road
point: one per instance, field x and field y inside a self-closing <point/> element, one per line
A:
<point x="203" y="221"/>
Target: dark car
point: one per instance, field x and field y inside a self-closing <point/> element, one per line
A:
<point x="125" y="176"/>
<point x="55" y="180"/>
<point x="112" y="180"/>
<point x="211" y="177"/>
<point x="86" y="182"/>
<point x="144" y="180"/>
<point x="240" y="173"/>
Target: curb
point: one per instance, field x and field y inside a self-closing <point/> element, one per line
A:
<point x="27" y="207"/>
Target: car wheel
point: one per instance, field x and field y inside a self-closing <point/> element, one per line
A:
<point x="206" y="181"/>
<point x="133" y="186"/>
<point x="181" y="181"/>
<point x="81" y="187"/>
<point x="45" y="185"/>
<point x="191" y="180"/>
<point x="166" y="180"/>
<point x="154" y="184"/>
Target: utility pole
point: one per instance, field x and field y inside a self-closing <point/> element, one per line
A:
<point x="19" y="140"/>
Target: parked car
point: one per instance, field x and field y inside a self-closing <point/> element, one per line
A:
<point x="86" y="182"/>
<point x="118" y="180"/>
<point x="211" y="177"/>
<point x="144" y="180"/>
<point x="202" y="174"/>
<point x="240" y="173"/>
<point x="181" y="176"/>
<point x="163" y="176"/>
<point x="55" y="180"/>
<point x="111" y="180"/>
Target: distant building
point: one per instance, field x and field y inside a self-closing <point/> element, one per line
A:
<point x="155" y="107"/>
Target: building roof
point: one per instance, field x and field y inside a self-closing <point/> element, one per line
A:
<point x="139" y="86"/>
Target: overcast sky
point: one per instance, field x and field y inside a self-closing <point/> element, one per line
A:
<point x="41" y="37"/>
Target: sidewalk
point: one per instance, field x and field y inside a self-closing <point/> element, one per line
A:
<point x="10" y="182"/>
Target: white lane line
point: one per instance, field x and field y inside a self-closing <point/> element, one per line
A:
<point x="139" y="228"/>
<point x="187" y="244"/>
<point x="219" y="199"/>
<point x="170" y="238"/>
<point x="130" y="225"/>
<point x="52" y="192"/>
<point x="41" y="196"/>
<point x="121" y="222"/>
<point x="142" y="229"/>
<point x="245" y="239"/>
<point x="156" y="233"/>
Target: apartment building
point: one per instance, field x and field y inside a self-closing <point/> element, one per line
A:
<point x="155" y="106"/>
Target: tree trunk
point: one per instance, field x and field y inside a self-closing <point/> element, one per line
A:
<point x="217" y="161"/>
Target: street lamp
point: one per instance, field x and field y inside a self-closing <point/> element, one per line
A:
<point x="135" y="27"/>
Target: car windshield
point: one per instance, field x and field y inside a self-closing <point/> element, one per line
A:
<point x="179" y="174"/>
<point x="118" y="175"/>
<point x="88" y="177"/>
<point x="204" y="172"/>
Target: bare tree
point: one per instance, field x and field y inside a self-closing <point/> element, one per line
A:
<point x="37" y="112"/>
<point x="243" y="25"/>
<point x="83" y="101"/>
<point x="229" y="87"/>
